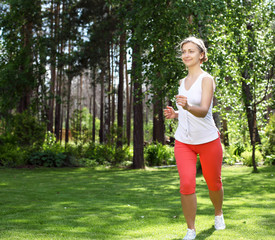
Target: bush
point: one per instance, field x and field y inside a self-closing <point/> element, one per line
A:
<point x="232" y="154"/>
<point x="12" y="156"/>
<point x="158" y="154"/>
<point x="269" y="141"/>
<point x="107" y="154"/>
<point x="50" y="159"/>
<point x="28" y="132"/>
<point x="247" y="157"/>
<point x="87" y="162"/>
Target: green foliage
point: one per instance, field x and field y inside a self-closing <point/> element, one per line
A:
<point x="12" y="156"/>
<point x="28" y="132"/>
<point x="49" y="159"/>
<point x="157" y="154"/>
<point x="99" y="154"/>
<point x="269" y="141"/>
<point x="81" y="122"/>
<point x="24" y="136"/>
<point x="51" y="144"/>
<point x="232" y="154"/>
<point x="105" y="154"/>
<point x="148" y="131"/>
<point x="247" y="157"/>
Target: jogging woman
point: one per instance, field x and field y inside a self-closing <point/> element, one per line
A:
<point x="197" y="134"/>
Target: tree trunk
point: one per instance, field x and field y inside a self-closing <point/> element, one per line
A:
<point x="26" y="70"/>
<point x="52" y="68"/>
<point x="128" y="105"/>
<point x="67" y="126"/>
<point x="58" y="80"/>
<point x="138" y="159"/>
<point x="108" y="102"/>
<point x="94" y="106"/>
<point x="120" y="91"/>
<point x="68" y="109"/>
<point x="224" y="134"/>
<point x="112" y="88"/>
<point x="58" y="106"/>
<point x="255" y="170"/>
<point x="158" y="121"/>
<point x="101" y="130"/>
<point x="247" y="96"/>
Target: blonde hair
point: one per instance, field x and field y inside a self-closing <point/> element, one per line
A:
<point x="199" y="42"/>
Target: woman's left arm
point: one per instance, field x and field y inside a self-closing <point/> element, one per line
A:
<point x="208" y="87"/>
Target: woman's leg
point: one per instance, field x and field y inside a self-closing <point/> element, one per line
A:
<point x="186" y="160"/>
<point x="189" y="208"/>
<point x="217" y="200"/>
<point x="211" y="161"/>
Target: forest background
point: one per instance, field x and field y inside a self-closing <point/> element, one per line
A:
<point x="84" y="82"/>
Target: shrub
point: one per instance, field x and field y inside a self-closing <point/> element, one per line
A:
<point x="50" y="159"/>
<point x="12" y="156"/>
<point x="158" y="154"/>
<point x="247" y="157"/>
<point x="232" y="154"/>
<point x="269" y="141"/>
<point x="87" y="162"/>
<point x="28" y="132"/>
<point x="106" y="154"/>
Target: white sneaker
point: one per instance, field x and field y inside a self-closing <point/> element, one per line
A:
<point x="219" y="222"/>
<point x="190" y="235"/>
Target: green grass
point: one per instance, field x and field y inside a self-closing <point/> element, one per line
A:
<point x="82" y="203"/>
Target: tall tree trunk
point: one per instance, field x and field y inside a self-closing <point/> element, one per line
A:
<point x="53" y="70"/>
<point x="68" y="109"/>
<point x="158" y="120"/>
<point x="128" y="104"/>
<point x="247" y="96"/>
<point x="94" y="111"/>
<point x="94" y="103"/>
<point x="112" y="104"/>
<point x="120" y="91"/>
<point x="113" y="91"/>
<point x="108" y="102"/>
<point x="249" y="99"/>
<point x="101" y="130"/>
<point x="26" y="70"/>
<point x="138" y="158"/>
<point x="68" y="101"/>
<point x="58" y="80"/>
<point x="61" y="124"/>
<point x="58" y="106"/>
<point x="224" y="134"/>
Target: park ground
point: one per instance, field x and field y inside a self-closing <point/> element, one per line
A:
<point x="85" y="203"/>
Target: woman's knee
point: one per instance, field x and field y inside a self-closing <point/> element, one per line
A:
<point x="187" y="187"/>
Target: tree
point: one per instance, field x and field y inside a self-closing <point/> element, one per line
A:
<point x="244" y="59"/>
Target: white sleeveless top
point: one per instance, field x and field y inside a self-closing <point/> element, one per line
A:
<point x="192" y="129"/>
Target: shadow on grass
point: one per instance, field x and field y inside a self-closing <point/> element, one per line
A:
<point x="108" y="204"/>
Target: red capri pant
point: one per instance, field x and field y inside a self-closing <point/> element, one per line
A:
<point x="211" y="161"/>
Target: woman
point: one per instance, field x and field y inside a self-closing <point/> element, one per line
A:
<point x="197" y="134"/>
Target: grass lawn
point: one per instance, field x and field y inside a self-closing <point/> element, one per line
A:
<point x="83" y="203"/>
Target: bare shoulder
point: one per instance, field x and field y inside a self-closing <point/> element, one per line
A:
<point x="180" y="81"/>
<point x="208" y="82"/>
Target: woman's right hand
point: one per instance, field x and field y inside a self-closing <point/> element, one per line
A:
<point x="169" y="113"/>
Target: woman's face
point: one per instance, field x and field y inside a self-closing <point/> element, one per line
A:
<point x="191" y="54"/>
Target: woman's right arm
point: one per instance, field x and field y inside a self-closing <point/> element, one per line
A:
<point x="170" y="113"/>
